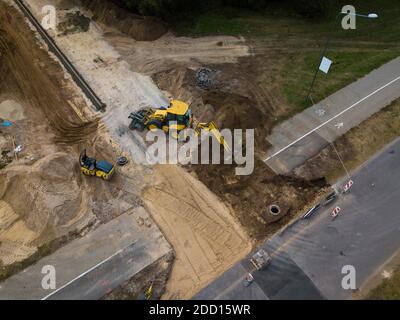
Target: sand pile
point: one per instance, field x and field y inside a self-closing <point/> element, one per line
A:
<point x="43" y="195"/>
<point x="11" y="110"/>
<point x="39" y="203"/>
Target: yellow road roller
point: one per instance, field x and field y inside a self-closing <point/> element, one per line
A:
<point x="92" y="167"/>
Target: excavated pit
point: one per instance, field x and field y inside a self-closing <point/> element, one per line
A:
<point x="43" y="195"/>
<point x="233" y="104"/>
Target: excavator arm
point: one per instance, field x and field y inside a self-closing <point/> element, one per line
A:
<point x="212" y="127"/>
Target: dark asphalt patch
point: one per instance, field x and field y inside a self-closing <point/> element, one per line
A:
<point x="284" y="280"/>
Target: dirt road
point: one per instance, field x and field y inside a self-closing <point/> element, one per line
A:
<point x="156" y="56"/>
<point x="199" y="226"/>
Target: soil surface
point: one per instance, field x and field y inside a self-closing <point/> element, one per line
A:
<point x="233" y="103"/>
<point x="146" y="285"/>
<point x="211" y="217"/>
<point x="43" y="195"/>
<point x="125" y="90"/>
<point x="205" y="237"/>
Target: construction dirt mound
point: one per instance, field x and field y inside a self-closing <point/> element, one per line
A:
<point x="36" y="86"/>
<point x="39" y="203"/>
<point x="43" y="194"/>
<point x="231" y="100"/>
<point x="221" y="104"/>
<point x="251" y="197"/>
<point x="138" y="27"/>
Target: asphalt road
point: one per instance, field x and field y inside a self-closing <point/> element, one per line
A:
<point x="308" y="257"/>
<point x="101" y="280"/>
<point x="89" y="267"/>
<point x="304" y="135"/>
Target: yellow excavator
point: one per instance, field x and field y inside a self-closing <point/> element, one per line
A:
<point x="177" y="117"/>
<point x="92" y="167"/>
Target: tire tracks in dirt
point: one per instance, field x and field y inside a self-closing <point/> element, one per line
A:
<point x="16" y="49"/>
<point x="205" y="237"/>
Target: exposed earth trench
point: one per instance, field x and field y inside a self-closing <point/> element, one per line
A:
<point x="43" y="196"/>
<point x="211" y="217"/>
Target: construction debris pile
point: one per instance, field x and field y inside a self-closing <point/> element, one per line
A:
<point x="205" y="78"/>
<point x="5" y="156"/>
<point x="43" y="196"/>
<point x="73" y="22"/>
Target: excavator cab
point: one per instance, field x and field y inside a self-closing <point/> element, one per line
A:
<point x="92" y="167"/>
<point x="178" y="116"/>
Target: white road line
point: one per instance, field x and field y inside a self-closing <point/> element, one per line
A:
<point x="333" y="118"/>
<point x="86" y="272"/>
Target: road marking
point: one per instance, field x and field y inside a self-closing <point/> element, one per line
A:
<point x="320" y="112"/>
<point x="334" y="117"/>
<point x="339" y="125"/>
<point x="86" y="272"/>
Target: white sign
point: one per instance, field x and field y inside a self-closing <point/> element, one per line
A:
<point x="325" y="65"/>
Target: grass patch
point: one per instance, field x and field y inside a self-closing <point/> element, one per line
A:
<point x="370" y="137"/>
<point x="280" y="21"/>
<point x="213" y="24"/>
<point x="300" y="42"/>
<point x="239" y="22"/>
<point x="348" y="66"/>
<point x="389" y="289"/>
